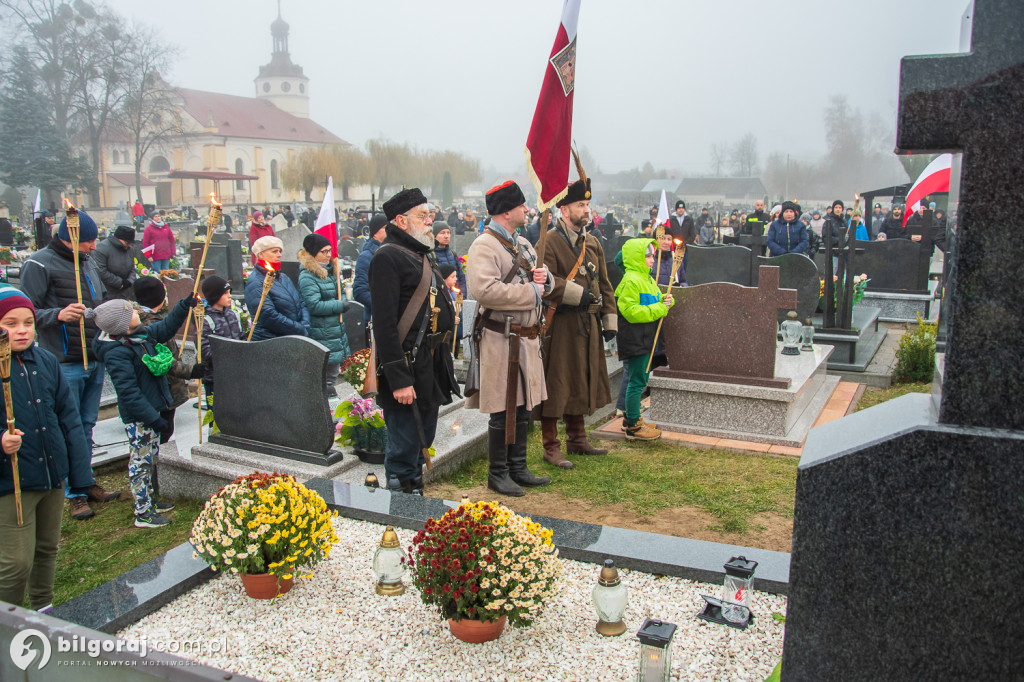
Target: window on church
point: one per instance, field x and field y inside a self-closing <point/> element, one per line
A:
<point x="159" y="164"/>
<point x="196" y="185"/>
<point x="239" y="170"/>
<point x="115" y="157"/>
<point x="274" y="181"/>
<point x="286" y="86"/>
<point x="266" y="87"/>
<point x="302" y="88"/>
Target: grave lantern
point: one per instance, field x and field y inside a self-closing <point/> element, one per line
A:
<point x="610" y="600"/>
<point x="655" y="650"/>
<point x="739" y="577"/>
<point x="791" y="332"/>
<point x="371" y="481"/>
<point x="808" y="338"/>
<point x="389" y="563"/>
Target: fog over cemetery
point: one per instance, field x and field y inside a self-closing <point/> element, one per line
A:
<point x="562" y="340"/>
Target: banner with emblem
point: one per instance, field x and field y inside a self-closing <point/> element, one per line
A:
<point x="549" y="141"/>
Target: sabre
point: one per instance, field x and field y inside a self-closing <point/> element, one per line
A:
<point x="677" y="260"/>
<point x="211" y="224"/>
<point x="268" y="282"/>
<point x="71" y="214"/>
<point x="5" y="375"/>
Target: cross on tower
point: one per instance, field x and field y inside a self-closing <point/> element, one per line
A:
<point x="971" y="102"/>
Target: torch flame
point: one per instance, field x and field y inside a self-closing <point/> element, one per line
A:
<point x="68" y="204"/>
<point x="677" y="241"/>
<point x="456" y="290"/>
<point x="213" y="199"/>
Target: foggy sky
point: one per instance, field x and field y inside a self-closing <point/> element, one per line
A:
<point x="656" y="80"/>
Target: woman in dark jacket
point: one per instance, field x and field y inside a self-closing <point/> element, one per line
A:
<point x="51" y="446"/>
<point x="787" y="233"/>
<point x="318" y="284"/>
<point x="284" y="312"/>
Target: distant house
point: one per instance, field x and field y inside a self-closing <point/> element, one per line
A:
<point x="707" y="191"/>
<point x="234" y="146"/>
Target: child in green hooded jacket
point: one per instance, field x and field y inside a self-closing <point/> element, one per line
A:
<point x="641" y="304"/>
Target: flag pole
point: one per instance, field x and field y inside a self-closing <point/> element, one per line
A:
<point x="211" y="224"/>
<point x="71" y="215"/>
<point x="5" y="375"/>
<point x="677" y="260"/>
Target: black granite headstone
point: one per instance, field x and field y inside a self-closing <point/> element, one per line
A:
<point x="894" y="266"/>
<point x="270" y="398"/>
<point x="907" y="532"/>
<point x="6" y="232"/>
<point x="355" y="327"/>
<point x="729" y="263"/>
<point x="796" y="271"/>
<point x="347" y="249"/>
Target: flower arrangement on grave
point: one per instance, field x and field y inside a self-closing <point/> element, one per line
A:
<point x="361" y="425"/>
<point x="170" y="274"/>
<point x="860" y="285"/>
<point x="6" y="256"/>
<point x="141" y="270"/>
<point x="353" y="369"/>
<point x="264" y="524"/>
<point x="484" y="562"/>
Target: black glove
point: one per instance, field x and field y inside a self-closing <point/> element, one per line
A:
<point x="586" y="299"/>
<point x="192" y="301"/>
<point x="608" y="335"/>
<point x="198" y="371"/>
<point x="160" y="425"/>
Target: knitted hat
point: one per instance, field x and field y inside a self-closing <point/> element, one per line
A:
<point x="149" y="292"/>
<point x="793" y="206"/>
<point x="126" y="233"/>
<point x="11" y="298"/>
<point x="313" y="243"/>
<point x="87" y="230"/>
<point x="440" y="226"/>
<point x="378" y="221"/>
<point x="214" y="287"/>
<point x="114" y="317"/>
<point x="681" y="204"/>
<point x="256" y="215"/>
<point x="403" y="201"/>
<point x="504" y="197"/>
<point x="837" y="202"/>
<point x="264" y="243"/>
<point x="446" y="270"/>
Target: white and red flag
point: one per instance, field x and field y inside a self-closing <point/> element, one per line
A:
<point x="326" y="224"/>
<point x="935" y="178"/>
<point x="663" y="214"/>
<point x="548" y="144"/>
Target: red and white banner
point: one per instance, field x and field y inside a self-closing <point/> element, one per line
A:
<point x="935" y="178"/>
<point x="548" y="144"/>
<point x="663" y="215"/>
<point x="326" y="224"/>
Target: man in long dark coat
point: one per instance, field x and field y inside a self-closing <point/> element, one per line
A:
<point x="585" y="317"/>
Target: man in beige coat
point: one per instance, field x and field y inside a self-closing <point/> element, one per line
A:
<point x="503" y="277"/>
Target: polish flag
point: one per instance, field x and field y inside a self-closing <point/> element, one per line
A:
<point x="325" y="222"/>
<point x="548" y="144"/>
<point x="935" y="178"/>
<point x="662" y="211"/>
<point x="39" y="196"/>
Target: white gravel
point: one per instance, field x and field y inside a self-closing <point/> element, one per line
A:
<point x="334" y="627"/>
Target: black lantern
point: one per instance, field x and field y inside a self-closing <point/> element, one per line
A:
<point x="655" y="650"/>
<point x="739" y="578"/>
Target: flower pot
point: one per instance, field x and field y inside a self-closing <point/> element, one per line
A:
<point x="265" y="585"/>
<point x="477" y="631"/>
<point x="370" y="456"/>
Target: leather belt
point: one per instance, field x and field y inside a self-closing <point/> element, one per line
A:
<point x="514" y="329"/>
<point x="592" y="309"/>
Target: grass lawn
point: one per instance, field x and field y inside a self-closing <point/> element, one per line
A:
<point x="874" y="396"/>
<point x="101" y="548"/>
<point x="649" y="477"/>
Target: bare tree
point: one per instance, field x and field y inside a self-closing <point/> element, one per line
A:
<point x="353" y="167"/>
<point x="719" y="157"/>
<point x="393" y="164"/>
<point x="744" y="156"/>
<point x="150" y="115"/>
<point x="309" y="167"/>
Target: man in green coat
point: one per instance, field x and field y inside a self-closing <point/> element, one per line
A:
<point x="318" y="284"/>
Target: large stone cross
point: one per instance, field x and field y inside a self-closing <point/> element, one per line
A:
<point x="972" y="102"/>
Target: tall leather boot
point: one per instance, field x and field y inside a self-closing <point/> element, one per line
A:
<point x="497" y="473"/>
<point x="576" y="437"/>
<point x="517" y="470"/>
<point x="552" y="448"/>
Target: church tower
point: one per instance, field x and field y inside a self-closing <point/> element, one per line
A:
<point x="281" y="81"/>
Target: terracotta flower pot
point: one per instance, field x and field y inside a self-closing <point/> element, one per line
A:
<point x="477" y="631"/>
<point x="265" y="585"/>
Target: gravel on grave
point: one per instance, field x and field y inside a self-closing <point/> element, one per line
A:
<point x="334" y="626"/>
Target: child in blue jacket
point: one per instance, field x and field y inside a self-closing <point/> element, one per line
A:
<point x="51" y="446"/>
<point x="138" y="363"/>
<point x="641" y="305"/>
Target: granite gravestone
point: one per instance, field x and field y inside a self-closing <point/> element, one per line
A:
<point x="6" y="232"/>
<point x="271" y="398"/>
<point x="234" y="259"/>
<point x="727" y="333"/>
<point x="907" y="524"/>
<point x="292" y="239"/>
<point x="895" y="265"/>
<point x="355" y="327"/>
<point x="348" y="249"/>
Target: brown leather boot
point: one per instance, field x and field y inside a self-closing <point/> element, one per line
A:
<point x="552" y="448"/>
<point x="576" y="435"/>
